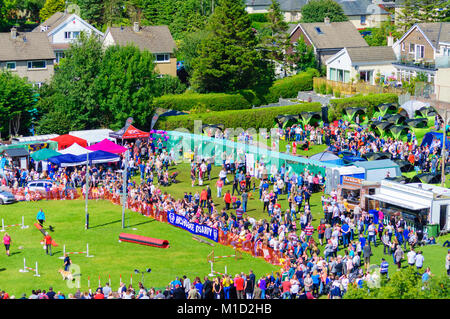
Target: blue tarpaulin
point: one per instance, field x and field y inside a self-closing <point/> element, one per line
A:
<point x="94" y="158"/>
<point x="430" y="136"/>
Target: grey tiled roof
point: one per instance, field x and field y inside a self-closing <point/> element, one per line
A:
<point x="156" y="39"/>
<point x="55" y="20"/>
<point x="333" y="35"/>
<point x="35" y="46"/>
<point x="436" y="32"/>
<point x="371" y="54"/>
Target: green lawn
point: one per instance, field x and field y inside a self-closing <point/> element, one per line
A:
<point x="185" y="256"/>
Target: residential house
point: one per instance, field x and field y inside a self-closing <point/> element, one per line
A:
<point x="420" y="49"/>
<point x="362" y="13"/>
<point x="291" y="9"/>
<point x="28" y="55"/>
<point x="363" y="63"/>
<point x="63" y="28"/>
<point x="156" y="39"/>
<point x="327" y="38"/>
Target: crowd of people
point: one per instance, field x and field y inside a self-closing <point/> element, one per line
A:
<point x="326" y="266"/>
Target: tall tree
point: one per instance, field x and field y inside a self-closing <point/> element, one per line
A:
<point x="51" y="7"/>
<point x="126" y="85"/>
<point x="92" y="11"/>
<point x="72" y="92"/>
<point x="228" y="57"/>
<point x="302" y="56"/>
<point x="417" y="11"/>
<point x="16" y="98"/>
<point x="318" y="10"/>
<point x="276" y="43"/>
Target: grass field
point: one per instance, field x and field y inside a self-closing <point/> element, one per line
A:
<point x="185" y="256"/>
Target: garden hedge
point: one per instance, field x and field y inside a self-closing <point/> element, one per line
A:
<point x="337" y="106"/>
<point x="287" y="87"/>
<point x="252" y="118"/>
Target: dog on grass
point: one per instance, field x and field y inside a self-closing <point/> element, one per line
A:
<point x="66" y="275"/>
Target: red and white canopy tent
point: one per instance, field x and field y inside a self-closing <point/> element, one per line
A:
<point x="129" y="132"/>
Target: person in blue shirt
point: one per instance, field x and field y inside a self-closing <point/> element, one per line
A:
<point x="384" y="267"/>
<point x="345" y="234"/>
<point x="40" y="217"/>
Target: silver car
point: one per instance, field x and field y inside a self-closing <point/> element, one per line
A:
<point x="6" y="197"/>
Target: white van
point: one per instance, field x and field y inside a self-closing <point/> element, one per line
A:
<point x="39" y="185"/>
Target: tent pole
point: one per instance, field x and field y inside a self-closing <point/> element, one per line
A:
<point x="444" y="140"/>
<point x="124" y="187"/>
<point x="87" y="190"/>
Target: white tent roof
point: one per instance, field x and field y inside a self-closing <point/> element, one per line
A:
<point x="93" y="136"/>
<point x="75" y="149"/>
<point x="37" y="138"/>
<point x="412" y="106"/>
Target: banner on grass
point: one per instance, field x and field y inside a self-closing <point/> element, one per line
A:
<point x="194" y="228"/>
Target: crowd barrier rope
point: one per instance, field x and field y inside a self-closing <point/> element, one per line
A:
<point x="257" y="249"/>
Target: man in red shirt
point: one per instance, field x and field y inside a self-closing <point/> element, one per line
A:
<point x="286" y="284"/>
<point x="48" y="243"/>
<point x="309" y="230"/>
<point x="99" y="294"/>
<point x="239" y="284"/>
<point x="321" y="232"/>
<point x="227" y="200"/>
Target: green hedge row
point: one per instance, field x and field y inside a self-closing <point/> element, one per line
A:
<point x="245" y="99"/>
<point x="210" y="101"/>
<point x="252" y="118"/>
<point x="290" y="86"/>
<point x="337" y="106"/>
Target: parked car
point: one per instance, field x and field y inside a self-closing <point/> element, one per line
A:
<point x="6" y="197"/>
<point x="39" y="185"/>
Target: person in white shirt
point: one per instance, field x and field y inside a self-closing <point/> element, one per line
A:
<point x="419" y="260"/>
<point x="411" y="256"/>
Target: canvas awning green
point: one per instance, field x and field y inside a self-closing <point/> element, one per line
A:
<point x="396" y="119"/>
<point x="44" y="154"/>
<point x="398" y="130"/>
<point x="417" y="123"/>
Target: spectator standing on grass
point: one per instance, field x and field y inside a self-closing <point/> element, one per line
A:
<point x="411" y="257"/>
<point x="7" y="243"/>
<point x="447" y="262"/>
<point x="398" y="256"/>
<point x="239" y="285"/>
<point x="48" y="244"/>
<point x="419" y="260"/>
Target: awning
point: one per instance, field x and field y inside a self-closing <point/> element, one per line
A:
<point x="397" y="202"/>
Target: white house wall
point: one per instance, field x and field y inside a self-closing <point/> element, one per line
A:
<point x="72" y="25"/>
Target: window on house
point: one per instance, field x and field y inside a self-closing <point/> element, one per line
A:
<point x="319" y="30"/>
<point x="10" y="65"/>
<point x="75" y="34"/>
<point x="37" y="64"/>
<point x="446" y="51"/>
<point x="420" y="52"/>
<point x="162" y="58"/>
<point x="363" y="19"/>
<point x="59" y="55"/>
<point x="67" y="35"/>
<point x="411" y="47"/>
<point x="403" y="46"/>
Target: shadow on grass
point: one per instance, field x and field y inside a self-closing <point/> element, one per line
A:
<point x="106" y="224"/>
<point x="143" y="223"/>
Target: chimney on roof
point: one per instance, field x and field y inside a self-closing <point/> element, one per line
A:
<point x="390" y="40"/>
<point x="326" y="20"/>
<point x="13" y="33"/>
<point x="136" y="27"/>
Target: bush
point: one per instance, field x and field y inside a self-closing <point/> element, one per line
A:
<point x="258" y="17"/>
<point x="252" y="118"/>
<point x="211" y="101"/>
<point x="337" y="93"/>
<point x="169" y="85"/>
<point x="244" y="99"/>
<point x="330" y="90"/>
<point x="323" y="88"/>
<point x="290" y="86"/>
<point x="338" y="106"/>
